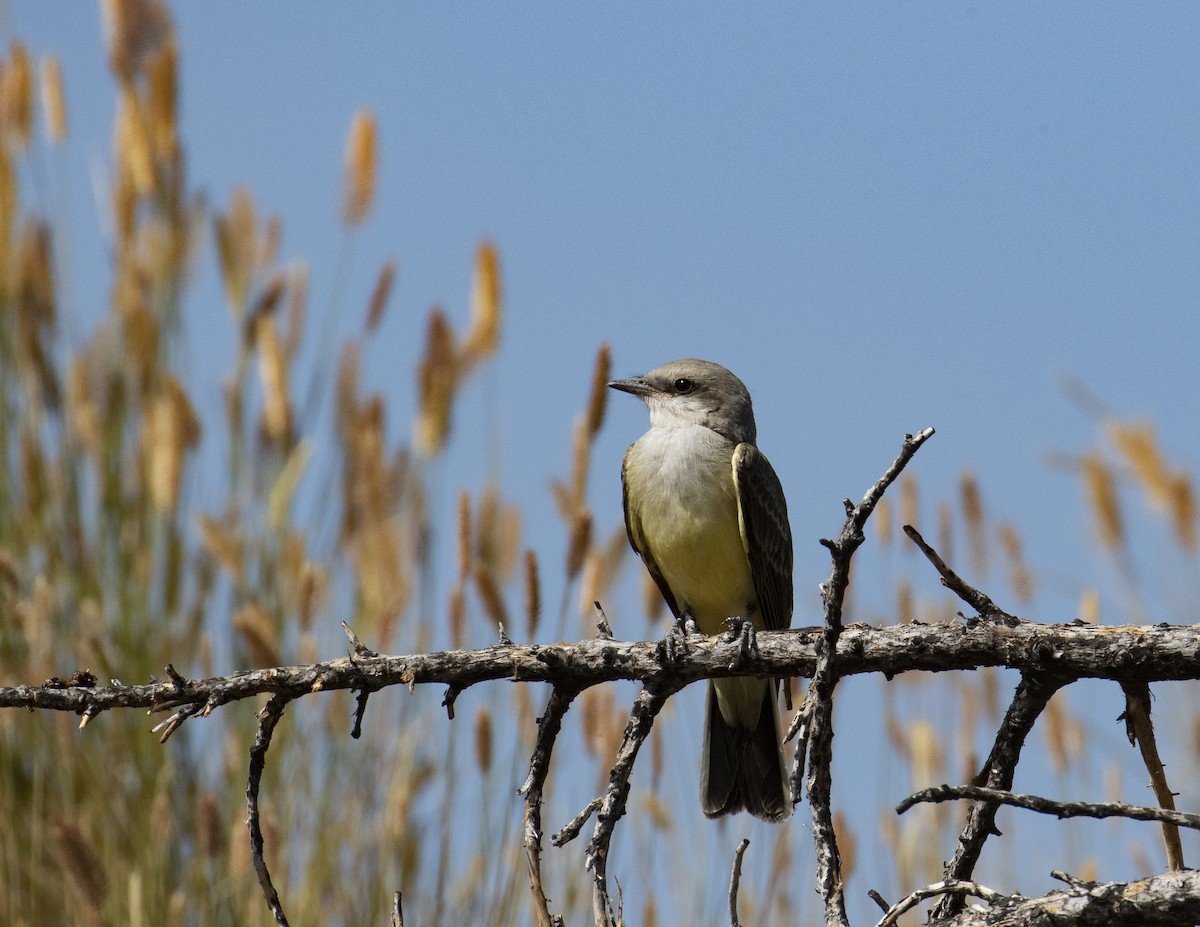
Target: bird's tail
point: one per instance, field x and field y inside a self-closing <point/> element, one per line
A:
<point x="742" y="766"/>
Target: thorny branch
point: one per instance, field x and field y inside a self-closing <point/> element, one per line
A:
<point x="816" y="715"/>
<point x="612" y="808"/>
<point x="1150" y="653"/>
<point x="267" y="719"/>
<point x="549" y="724"/>
<point x="1033" y="693"/>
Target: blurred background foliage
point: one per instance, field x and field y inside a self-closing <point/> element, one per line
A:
<point x="114" y="560"/>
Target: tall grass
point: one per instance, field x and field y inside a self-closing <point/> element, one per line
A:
<point x="111" y="561"/>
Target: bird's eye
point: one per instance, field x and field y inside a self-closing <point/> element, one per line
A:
<point x="684" y="385"/>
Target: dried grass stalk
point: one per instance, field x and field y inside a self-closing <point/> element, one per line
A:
<point x="54" y="104"/>
<point x="379" y="296"/>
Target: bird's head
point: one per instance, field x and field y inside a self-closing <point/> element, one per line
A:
<point x="695" y="392"/>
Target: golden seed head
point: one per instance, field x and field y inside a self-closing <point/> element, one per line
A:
<point x="16" y="94"/>
<point x="1089" y="606"/>
<point x="489" y="596"/>
<point x="904" y="601"/>
<point x="1138" y="445"/>
<point x="170" y="428"/>
<point x="1020" y="576"/>
<point x="273" y="373"/>
<point x="483" y="739"/>
<point x="945" y="522"/>
<point x="598" y="397"/>
<point x="1183" y="510"/>
<point x="134" y="156"/>
<point x="361" y="166"/>
<point x="134" y="29"/>
<point x="458" y="618"/>
<point x="1102" y="495"/>
<point x="379" y="296"/>
<point x="465" y="559"/>
<point x="883" y="521"/>
<point x="237" y="248"/>
<point x="162" y="99"/>
<point x="438" y="381"/>
<point x="254" y="623"/>
<point x="486" y="304"/>
<point x="533" y="595"/>
<point x="54" y="104"/>
<point x="581" y="456"/>
<point x="580" y="543"/>
<point x="908" y="500"/>
<point x="847" y="843"/>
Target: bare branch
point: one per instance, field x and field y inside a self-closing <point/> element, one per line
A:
<point x="549" y="725"/>
<point x="945" y="887"/>
<point x="952" y="581"/>
<point x="1150" y="653"/>
<point x="1033" y="693"/>
<point x="267" y="719"/>
<point x="735" y="880"/>
<point x="645" y="708"/>
<point x="1140" y="729"/>
<point x="1159" y="901"/>
<point x="817" y="725"/>
<point x="1060" y="809"/>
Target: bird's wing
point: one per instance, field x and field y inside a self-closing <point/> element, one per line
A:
<point x="766" y="535"/>
<point x="633" y="528"/>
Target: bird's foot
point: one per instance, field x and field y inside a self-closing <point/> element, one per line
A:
<point x="675" y="644"/>
<point x="747" y="636"/>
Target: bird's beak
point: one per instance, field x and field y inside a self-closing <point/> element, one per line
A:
<point x="635" y="385"/>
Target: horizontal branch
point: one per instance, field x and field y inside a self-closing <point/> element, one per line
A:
<point x="1148" y="653"/>
<point x="1166" y="900"/>
<point x="1060" y="809"/>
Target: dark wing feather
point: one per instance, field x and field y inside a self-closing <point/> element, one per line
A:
<point x="633" y="528"/>
<point x="766" y="535"/>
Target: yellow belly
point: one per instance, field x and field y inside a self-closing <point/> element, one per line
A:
<point x="685" y="518"/>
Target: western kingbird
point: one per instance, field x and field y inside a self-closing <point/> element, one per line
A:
<point x="705" y="512"/>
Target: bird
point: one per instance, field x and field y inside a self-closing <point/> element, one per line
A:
<point x="706" y="513"/>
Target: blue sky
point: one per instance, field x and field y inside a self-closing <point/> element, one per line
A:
<point x="881" y="215"/>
